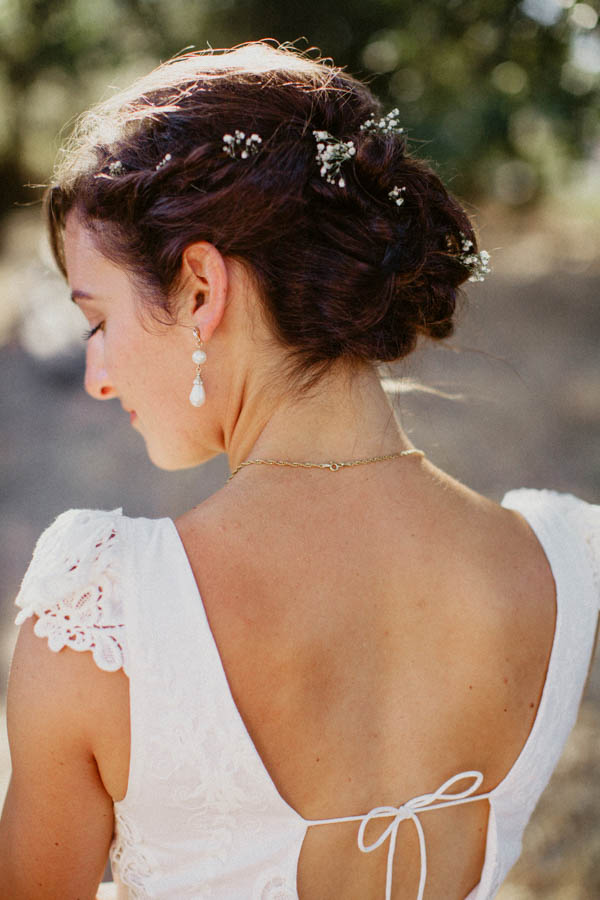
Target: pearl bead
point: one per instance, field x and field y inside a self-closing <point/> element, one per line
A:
<point x="197" y="395"/>
<point x="199" y="357"/>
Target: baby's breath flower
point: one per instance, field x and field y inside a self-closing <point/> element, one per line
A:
<point x="166" y="158"/>
<point x="116" y="168"/>
<point x="388" y="124"/>
<point x="332" y="153"/>
<point x="395" y="194"/>
<point x="237" y="144"/>
<point x="478" y="263"/>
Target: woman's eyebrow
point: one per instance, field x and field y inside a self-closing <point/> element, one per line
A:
<point x="80" y="295"/>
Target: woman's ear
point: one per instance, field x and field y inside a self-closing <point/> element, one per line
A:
<point x="205" y="284"/>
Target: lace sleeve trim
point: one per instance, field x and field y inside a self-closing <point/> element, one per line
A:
<point x="71" y="585"/>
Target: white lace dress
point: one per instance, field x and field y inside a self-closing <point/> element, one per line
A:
<point x="202" y="818"/>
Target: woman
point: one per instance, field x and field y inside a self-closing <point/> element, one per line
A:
<point x="343" y="649"/>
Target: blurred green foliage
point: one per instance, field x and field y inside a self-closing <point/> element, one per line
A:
<point x="504" y="96"/>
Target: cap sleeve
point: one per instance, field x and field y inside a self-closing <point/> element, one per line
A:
<point x="585" y="517"/>
<point x="72" y="586"/>
<point x="579" y="516"/>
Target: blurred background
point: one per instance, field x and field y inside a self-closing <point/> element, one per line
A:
<point x="503" y="98"/>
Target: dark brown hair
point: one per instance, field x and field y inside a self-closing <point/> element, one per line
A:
<point x="344" y="272"/>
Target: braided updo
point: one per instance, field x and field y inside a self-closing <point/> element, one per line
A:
<point x="344" y="271"/>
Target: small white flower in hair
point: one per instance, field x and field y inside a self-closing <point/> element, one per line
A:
<point x="332" y="153"/>
<point x="388" y="124"/>
<point x="237" y="144"/>
<point x="478" y="263"/>
<point x="116" y="168"/>
<point x="396" y="195"/>
<point x="166" y="158"/>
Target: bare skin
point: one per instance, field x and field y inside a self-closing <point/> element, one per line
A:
<point x="382" y="628"/>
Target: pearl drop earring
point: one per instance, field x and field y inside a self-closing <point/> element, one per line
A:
<point x="197" y="394"/>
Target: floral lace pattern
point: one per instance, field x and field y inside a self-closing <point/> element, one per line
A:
<point x="70" y="587"/>
<point x="273" y="887"/>
<point x="129" y="861"/>
<point x="202" y="818"/>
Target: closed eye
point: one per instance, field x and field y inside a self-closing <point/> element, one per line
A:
<point x="89" y="334"/>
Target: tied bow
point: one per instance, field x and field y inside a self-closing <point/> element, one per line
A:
<point x="440" y="799"/>
<point x="443" y="797"/>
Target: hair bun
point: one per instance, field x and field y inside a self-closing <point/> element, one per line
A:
<point x="356" y="246"/>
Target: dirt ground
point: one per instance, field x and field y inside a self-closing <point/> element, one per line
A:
<point x="522" y="377"/>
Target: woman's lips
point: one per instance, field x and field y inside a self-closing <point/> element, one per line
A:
<point x="132" y="417"/>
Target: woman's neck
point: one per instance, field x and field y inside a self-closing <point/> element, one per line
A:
<point x="345" y="417"/>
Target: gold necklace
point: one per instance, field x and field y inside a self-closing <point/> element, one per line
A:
<point x="332" y="466"/>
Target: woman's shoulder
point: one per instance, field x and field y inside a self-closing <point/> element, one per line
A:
<point x="97" y="581"/>
<point x="539" y="497"/>
<point x="559" y="510"/>
<point x="72" y="584"/>
<point x="556" y="517"/>
<point x="74" y="536"/>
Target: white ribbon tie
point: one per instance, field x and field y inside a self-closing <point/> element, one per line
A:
<point x="440" y="799"/>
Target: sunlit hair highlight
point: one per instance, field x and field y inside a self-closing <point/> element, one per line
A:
<point x="344" y="273"/>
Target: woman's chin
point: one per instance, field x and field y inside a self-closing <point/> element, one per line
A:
<point x="170" y="461"/>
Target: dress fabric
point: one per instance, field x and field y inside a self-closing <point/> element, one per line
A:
<point x="202" y="817"/>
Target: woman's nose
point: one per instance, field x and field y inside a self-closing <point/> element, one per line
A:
<point x="96" y="381"/>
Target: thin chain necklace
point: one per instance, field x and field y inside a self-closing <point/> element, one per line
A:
<point x="332" y="466"/>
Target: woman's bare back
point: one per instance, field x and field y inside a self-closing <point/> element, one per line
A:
<point x="379" y="636"/>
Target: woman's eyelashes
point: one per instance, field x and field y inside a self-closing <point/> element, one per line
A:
<point x="88" y="334"/>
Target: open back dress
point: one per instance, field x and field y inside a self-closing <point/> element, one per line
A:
<point x="202" y="818"/>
